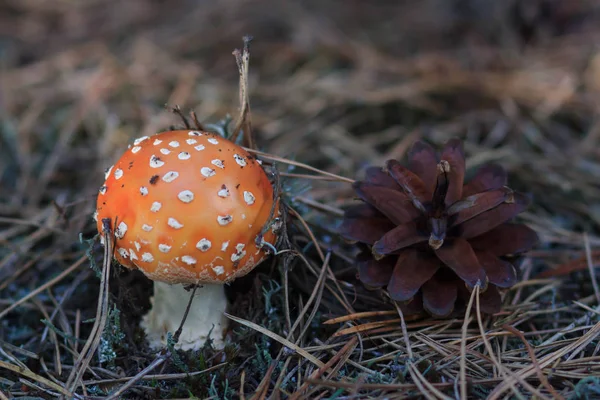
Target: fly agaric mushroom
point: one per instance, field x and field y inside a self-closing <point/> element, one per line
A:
<point x="188" y="207"/>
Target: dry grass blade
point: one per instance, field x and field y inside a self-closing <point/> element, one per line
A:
<point x="352" y="317"/>
<point x="31" y="375"/>
<point x="463" y="346"/>
<point x="364" y="327"/>
<point x="277" y="338"/>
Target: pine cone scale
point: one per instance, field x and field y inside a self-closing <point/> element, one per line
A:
<point x="492" y="218"/>
<point x="439" y="296"/>
<point x="423" y="161"/>
<point x="474" y="205"/>
<point x="499" y="272"/>
<point x="394" y="204"/>
<point x="411" y="271"/>
<point x="461" y="258"/>
<point x="506" y="239"/>
<point x="398" y="238"/>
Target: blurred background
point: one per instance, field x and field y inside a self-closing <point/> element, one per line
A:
<point x="336" y="84"/>
<point x="353" y="81"/>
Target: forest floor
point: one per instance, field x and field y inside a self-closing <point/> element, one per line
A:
<point x="337" y="86"/>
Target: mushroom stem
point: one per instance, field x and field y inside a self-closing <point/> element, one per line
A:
<point x="205" y="317"/>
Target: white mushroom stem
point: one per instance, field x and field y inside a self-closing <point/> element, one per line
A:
<point x="206" y="316"/>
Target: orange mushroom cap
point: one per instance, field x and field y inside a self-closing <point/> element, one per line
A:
<point x="188" y="207"/>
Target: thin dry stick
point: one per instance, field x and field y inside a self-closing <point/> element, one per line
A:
<point x="83" y="361"/>
<point x="298" y="164"/>
<point x="243" y="122"/>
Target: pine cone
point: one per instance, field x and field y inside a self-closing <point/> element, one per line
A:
<point x="430" y="238"/>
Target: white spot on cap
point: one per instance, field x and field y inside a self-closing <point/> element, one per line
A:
<point x="191" y="141"/>
<point x="224" y="219"/>
<point x="107" y="172"/>
<point x="223" y="192"/>
<point x="137" y="246"/>
<point x="218" y="163"/>
<point x="189" y="260"/>
<point x="144" y="190"/>
<point x="249" y="197"/>
<point x="147" y="257"/>
<point x="184" y="155"/>
<point x="173" y="223"/>
<point x="194" y="133"/>
<point x="165" y="151"/>
<point x="239" y="253"/>
<point x="95" y="216"/>
<point x="164" y="248"/>
<point x="156" y="162"/>
<point x="219" y="270"/>
<point x="157" y="142"/>
<point x="132" y="254"/>
<point x="203" y="245"/>
<point x="146" y="228"/>
<point x="156" y="206"/>
<point x="118" y="173"/>
<point x="140" y="140"/>
<point x="174" y="143"/>
<point x="224" y="245"/>
<point x="240" y="160"/>
<point x="243" y="216"/>
<point x="186" y="196"/>
<point x="135" y="149"/>
<point x="200" y="147"/>
<point x="213" y="141"/>
<point x="102" y="189"/>
<point x="121" y="230"/>
<point x="123" y="252"/>
<point x="170" y="176"/>
<point x="207" y="172"/>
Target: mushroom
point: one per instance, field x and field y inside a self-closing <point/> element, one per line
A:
<point x="188" y="207"/>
